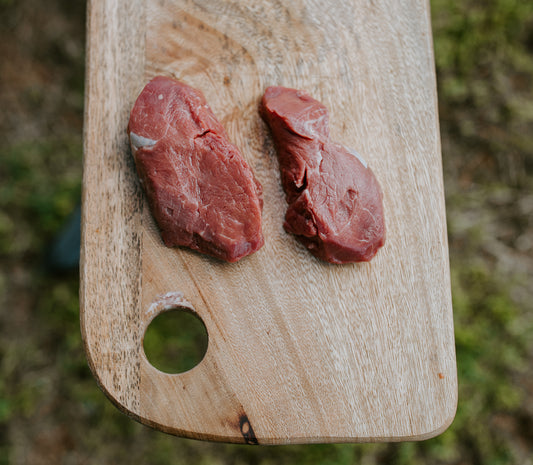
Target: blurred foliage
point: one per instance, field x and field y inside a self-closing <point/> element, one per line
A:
<point x="51" y="410"/>
<point x="175" y="341"/>
<point x="483" y="54"/>
<point x="492" y="336"/>
<point x="44" y="187"/>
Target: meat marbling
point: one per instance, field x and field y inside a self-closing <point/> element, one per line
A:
<point x="201" y="191"/>
<point x="335" y="202"/>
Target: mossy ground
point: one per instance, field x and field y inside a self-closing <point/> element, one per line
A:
<point x="51" y="410"/>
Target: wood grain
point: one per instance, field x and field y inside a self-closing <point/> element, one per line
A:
<point x="300" y="351"/>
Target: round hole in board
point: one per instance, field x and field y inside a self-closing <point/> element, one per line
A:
<point x="175" y="340"/>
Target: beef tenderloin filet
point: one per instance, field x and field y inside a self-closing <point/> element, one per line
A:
<point x="335" y="202"/>
<point x="201" y="192"/>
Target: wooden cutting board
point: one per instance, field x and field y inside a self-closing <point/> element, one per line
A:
<point x="299" y="350"/>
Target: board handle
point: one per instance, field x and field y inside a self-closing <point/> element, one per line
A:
<point x="190" y="404"/>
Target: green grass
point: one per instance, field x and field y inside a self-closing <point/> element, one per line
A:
<point x="175" y="341"/>
<point x="483" y="54"/>
<point x="41" y="186"/>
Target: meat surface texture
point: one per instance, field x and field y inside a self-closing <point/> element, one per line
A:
<point x="335" y="202"/>
<point x="201" y="192"/>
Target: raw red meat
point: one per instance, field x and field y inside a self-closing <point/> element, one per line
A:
<point x="335" y="202"/>
<point x="201" y="192"/>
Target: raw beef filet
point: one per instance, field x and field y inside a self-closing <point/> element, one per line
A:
<point x="335" y="202"/>
<point x="201" y="192"/>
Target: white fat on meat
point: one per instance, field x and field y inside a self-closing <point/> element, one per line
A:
<point x="357" y="155"/>
<point x="138" y="142"/>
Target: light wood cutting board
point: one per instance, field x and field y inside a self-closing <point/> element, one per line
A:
<point x="299" y="350"/>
